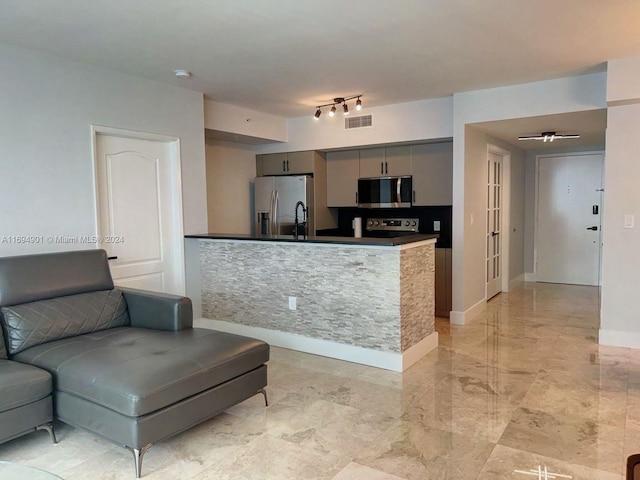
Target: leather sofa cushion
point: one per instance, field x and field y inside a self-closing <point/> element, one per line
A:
<point x="136" y="371"/>
<point x="22" y="384"/>
<point x="44" y="321"/>
<point x="27" y="278"/>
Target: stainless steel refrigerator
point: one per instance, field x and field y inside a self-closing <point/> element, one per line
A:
<point x="275" y="204"/>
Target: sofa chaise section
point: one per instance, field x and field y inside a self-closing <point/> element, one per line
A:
<point x="126" y="364"/>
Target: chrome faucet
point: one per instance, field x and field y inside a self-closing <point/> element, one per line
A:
<point x="304" y="221"/>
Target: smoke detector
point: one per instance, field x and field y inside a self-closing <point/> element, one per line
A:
<point x="182" y="73"/>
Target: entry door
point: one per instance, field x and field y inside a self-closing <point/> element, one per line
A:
<point x="494" y="224"/>
<point x="140" y="213"/>
<point x="568" y="224"/>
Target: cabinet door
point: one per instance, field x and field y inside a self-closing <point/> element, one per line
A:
<point x="259" y="172"/>
<point x="343" y="171"/>
<point x="274" y="164"/>
<point x="397" y="161"/>
<point x="372" y="163"/>
<point x="432" y="170"/>
<point x="298" y="163"/>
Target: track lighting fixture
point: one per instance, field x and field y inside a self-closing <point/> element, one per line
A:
<point x="549" y="136"/>
<point x="338" y="101"/>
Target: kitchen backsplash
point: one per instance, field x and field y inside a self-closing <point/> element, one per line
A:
<point x="427" y="216"/>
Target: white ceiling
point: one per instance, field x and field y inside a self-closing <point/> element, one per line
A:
<point x="284" y="57"/>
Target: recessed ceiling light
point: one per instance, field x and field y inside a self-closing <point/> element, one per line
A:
<point x="182" y="73"/>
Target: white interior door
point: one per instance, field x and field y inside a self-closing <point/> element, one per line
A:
<point x="140" y="213"/>
<point x="494" y="224"/>
<point x="568" y="221"/>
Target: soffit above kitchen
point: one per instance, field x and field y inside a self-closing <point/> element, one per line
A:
<point x="285" y="57"/>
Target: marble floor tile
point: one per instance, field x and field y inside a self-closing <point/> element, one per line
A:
<point x="522" y="385"/>
<point x="506" y="462"/>
<point x="354" y="471"/>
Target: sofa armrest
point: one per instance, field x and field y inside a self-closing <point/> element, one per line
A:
<point x="159" y="311"/>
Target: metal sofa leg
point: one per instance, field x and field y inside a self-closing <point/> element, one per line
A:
<point x="138" y="453"/>
<point x="264" y="394"/>
<point x="49" y="428"/>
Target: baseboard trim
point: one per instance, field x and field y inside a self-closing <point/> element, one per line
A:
<point x="396" y="362"/>
<point x="530" y="277"/>
<point x="619" y="338"/>
<point x="461" y="318"/>
<point x="419" y="350"/>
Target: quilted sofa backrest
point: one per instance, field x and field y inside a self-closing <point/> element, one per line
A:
<point x="50" y="296"/>
<point x="43" y="321"/>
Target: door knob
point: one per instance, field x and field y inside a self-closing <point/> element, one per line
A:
<point x="592" y="228"/>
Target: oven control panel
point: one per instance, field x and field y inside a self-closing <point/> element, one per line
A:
<point x="393" y="224"/>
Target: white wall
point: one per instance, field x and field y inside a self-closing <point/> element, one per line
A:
<point x="620" y="313"/>
<point x="404" y="122"/>
<point x="242" y="121"/>
<point x="570" y="94"/>
<point x="47" y="107"/>
<point x="231" y="169"/>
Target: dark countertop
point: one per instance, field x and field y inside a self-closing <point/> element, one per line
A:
<point x="380" y="242"/>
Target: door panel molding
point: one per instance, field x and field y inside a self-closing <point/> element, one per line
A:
<point x="172" y="196"/>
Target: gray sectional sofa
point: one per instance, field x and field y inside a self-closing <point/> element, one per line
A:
<point x="125" y="364"/>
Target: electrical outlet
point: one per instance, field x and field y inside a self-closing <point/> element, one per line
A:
<point x="436" y="225"/>
<point x="292" y="303"/>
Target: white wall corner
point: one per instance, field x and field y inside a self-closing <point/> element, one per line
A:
<point x="419" y="350"/>
<point x="622" y="81"/>
<point x="619" y="338"/>
<point x="462" y="318"/>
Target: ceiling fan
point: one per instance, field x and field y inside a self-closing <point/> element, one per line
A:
<point x="549" y="136"/>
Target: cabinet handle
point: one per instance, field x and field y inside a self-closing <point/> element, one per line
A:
<point x="287" y="165"/>
<point x="283" y="166"/>
<point x="356" y="198"/>
<point x="381" y="168"/>
<point x="414" y="196"/>
<point x="386" y="168"/>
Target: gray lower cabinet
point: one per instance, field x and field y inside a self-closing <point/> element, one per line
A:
<point x="343" y="171"/>
<point x="443" y="282"/>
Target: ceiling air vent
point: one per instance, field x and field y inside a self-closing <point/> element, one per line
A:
<point x="358" y="122"/>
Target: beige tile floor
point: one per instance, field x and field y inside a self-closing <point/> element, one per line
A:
<point x="523" y="386"/>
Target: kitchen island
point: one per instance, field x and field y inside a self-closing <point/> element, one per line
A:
<point x="365" y="300"/>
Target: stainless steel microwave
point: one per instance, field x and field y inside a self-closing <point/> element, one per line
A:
<point x="384" y="192"/>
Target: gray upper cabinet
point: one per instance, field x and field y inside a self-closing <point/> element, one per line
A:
<point x="432" y="170"/>
<point x="294" y="163"/>
<point x="397" y="161"/>
<point x="385" y="162"/>
<point x="343" y="171"/>
<point x="274" y="164"/>
<point x="372" y="162"/>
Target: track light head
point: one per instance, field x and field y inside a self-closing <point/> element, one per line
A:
<point x="318" y="113"/>
<point x="358" y="104"/>
<point x="346" y="108"/>
<point x="332" y="112"/>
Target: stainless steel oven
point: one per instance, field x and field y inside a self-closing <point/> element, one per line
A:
<point x="384" y="192"/>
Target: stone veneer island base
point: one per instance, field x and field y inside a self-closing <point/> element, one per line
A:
<point x="367" y="301"/>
